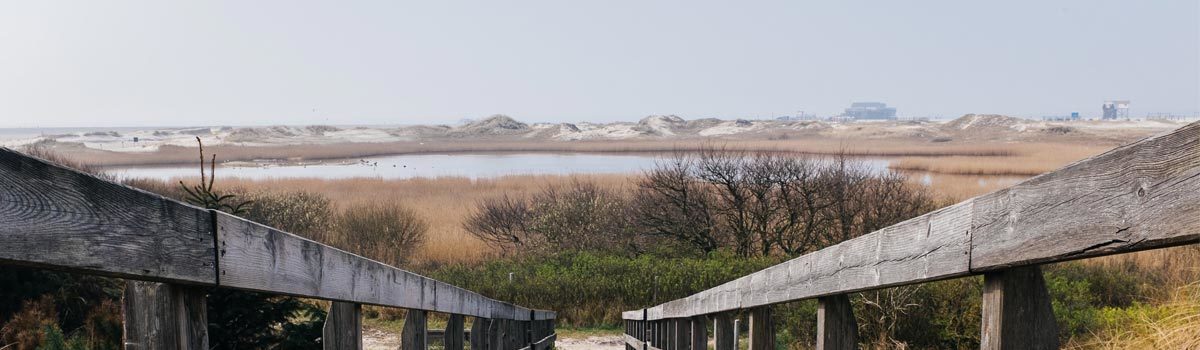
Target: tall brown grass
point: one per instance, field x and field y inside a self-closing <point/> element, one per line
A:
<point x="309" y="152"/>
<point x="1028" y="160"/>
<point x="444" y="203"/>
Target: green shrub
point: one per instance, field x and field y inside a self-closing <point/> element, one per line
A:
<point x="388" y="232"/>
<point x="591" y="289"/>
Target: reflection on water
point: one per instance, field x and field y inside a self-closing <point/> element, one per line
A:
<point x="424" y="165"/>
<point x="500" y="164"/>
<point x="961" y="187"/>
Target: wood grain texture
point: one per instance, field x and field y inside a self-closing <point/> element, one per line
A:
<point x="762" y="329"/>
<point x="929" y="247"/>
<point x="633" y="342"/>
<point x="260" y="258"/>
<point x="1139" y="196"/>
<point x="479" y="333"/>
<point x="496" y="329"/>
<point x="414" y="336"/>
<point x="723" y="331"/>
<point x="683" y="334"/>
<point x="54" y="217"/>
<point x="699" y="333"/>
<point x="1016" y="311"/>
<point x="343" y="326"/>
<point x="836" y="327"/>
<point x="164" y="316"/>
<point x="452" y="339"/>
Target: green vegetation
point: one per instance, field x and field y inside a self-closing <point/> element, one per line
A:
<point x="591" y="289"/>
<point x="590" y="251"/>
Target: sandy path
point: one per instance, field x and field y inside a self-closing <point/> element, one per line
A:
<point x="374" y="339"/>
<point x="611" y="342"/>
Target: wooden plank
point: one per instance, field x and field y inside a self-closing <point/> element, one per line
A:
<point x="699" y="332"/>
<point x="1139" y="196"/>
<point x="479" y="333"/>
<point x="543" y="344"/>
<point x="164" y="316"/>
<point x="929" y="247"/>
<point x="343" y="326"/>
<point x="633" y="342"/>
<point x="724" y="332"/>
<point x="836" y="327"/>
<point x="413" y="336"/>
<point x="762" y="329"/>
<point x="1016" y="311"/>
<point x="453" y="337"/>
<point x="683" y="334"/>
<point x="496" y="330"/>
<point x="260" y="258"/>
<point x="632" y="315"/>
<point x="58" y="218"/>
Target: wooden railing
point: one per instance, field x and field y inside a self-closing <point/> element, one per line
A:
<point x="56" y="218"/>
<point x="1141" y="196"/>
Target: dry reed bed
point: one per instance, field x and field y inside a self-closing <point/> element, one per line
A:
<point x="445" y="202"/>
<point x="312" y="152"/>
<point x="1030" y="160"/>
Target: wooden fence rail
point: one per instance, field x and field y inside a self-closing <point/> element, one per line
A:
<point x="1140" y="196"/>
<point x="57" y="218"/>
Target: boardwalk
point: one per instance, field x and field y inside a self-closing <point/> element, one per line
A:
<point x="57" y="218"/>
<point x="1141" y="196"/>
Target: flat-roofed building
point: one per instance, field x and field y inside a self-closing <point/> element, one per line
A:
<point x="870" y="111"/>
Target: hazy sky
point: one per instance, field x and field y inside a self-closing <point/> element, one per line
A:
<point x="123" y="63"/>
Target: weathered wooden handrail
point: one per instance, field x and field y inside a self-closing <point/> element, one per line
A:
<point x="57" y="218"/>
<point x="1140" y="196"/>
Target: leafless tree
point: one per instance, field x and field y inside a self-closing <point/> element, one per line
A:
<point x="671" y="202"/>
<point x="501" y="221"/>
<point x="581" y="215"/>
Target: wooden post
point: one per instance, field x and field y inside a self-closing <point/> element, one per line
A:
<point x="668" y="335"/>
<point x="479" y="333"/>
<point x="496" y="329"/>
<point x="737" y="327"/>
<point x="343" y="326"/>
<point x="513" y="335"/>
<point x="699" y="332"/>
<point x="414" y="335"/>
<point x="630" y="329"/>
<point x="723" y="331"/>
<point x="164" y="316"/>
<point x="762" y="330"/>
<point x="653" y="342"/>
<point x="1016" y="311"/>
<point x="836" y="327"/>
<point x="683" y="334"/>
<point x="453" y="338"/>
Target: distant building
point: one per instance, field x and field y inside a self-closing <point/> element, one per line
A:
<point x="1116" y="109"/>
<point x="870" y="111"/>
<point x="801" y="115"/>
<point x="1063" y="118"/>
<point x="1166" y="116"/>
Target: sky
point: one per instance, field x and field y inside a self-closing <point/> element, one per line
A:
<point x="177" y="63"/>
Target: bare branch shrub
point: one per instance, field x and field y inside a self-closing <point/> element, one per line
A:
<point x="767" y="204"/>
<point x="501" y="221"/>
<point x="671" y="202"/>
<point x="580" y="216"/>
